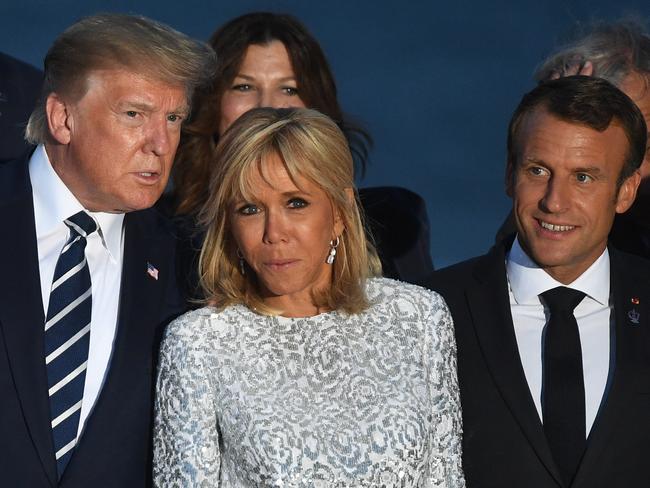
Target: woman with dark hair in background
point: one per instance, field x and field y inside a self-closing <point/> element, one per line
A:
<point x="271" y="60"/>
<point x="303" y="369"/>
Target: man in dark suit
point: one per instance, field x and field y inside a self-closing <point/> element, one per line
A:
<point x="552" y="327"/>
<point x="88" y="270"/>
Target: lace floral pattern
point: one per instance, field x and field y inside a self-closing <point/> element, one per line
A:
<point x="335" y="400"/>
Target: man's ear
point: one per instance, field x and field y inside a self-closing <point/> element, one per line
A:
<point x="59" y="119"/>
<point x="627" y="192"/>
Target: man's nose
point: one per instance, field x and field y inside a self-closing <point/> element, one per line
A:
<point x="158" y="137"/>
<point x="557" y="195"/>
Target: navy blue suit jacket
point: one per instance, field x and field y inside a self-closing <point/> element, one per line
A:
<point x="20" y="86"/>
<point x="115" y="448"/>
<point x="504" y="444"/>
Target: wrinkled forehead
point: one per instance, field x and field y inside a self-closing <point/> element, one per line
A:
<point x="114" y="72"/>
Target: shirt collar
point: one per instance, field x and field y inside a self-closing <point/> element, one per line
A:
<point x="54" y="202"/>
<point x="527" y="280"/>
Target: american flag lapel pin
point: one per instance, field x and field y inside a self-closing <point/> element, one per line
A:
<point x="152" y="271"/>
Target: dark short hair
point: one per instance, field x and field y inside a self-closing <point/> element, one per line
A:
<point x="317" y="89"/>
<point x="587" y="101"/>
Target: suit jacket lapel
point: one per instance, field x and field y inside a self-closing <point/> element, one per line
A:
<point x="489" y="306"/>
<point x="629" y="342"/>
<point x="21" y="311"/>
<point x="142" y="297"/>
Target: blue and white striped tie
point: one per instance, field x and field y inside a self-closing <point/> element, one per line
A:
<point x="67" y="337"/>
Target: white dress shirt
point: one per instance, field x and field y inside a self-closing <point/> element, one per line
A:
<point x="526" y="282"/>
<point x="53" y="203"/>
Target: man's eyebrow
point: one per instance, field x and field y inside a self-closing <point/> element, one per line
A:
<point x="533" y="160"/>
<point x="181" y="109"/>
<point x="147" y="107"/>
<point x="143" y="106"/>
<point x="588" y="169"/>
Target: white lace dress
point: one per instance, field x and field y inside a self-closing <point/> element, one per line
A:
<point x="335" y="400"/>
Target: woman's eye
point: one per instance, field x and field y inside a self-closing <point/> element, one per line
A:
<point x="242" y="87"/>
<point x="290" y="90"/>
<point x="248" y="209"/>
<point x="297" y="203"/>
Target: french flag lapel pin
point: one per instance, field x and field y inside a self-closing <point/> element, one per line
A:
<point x="152" y="271"/>
<point x="633" y="315"/>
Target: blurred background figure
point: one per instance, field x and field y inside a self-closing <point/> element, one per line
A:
<point x="20" y="85"/>
<point x="620" y="53"/>
<point x="304" y="368"/>
<point x="271" y="60"/>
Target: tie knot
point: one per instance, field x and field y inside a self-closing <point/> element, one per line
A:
<point x="562" y="299"/>
<point x="81" y="223"/>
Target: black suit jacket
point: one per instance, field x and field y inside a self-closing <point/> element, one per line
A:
<point x="504" y="443"/>
<point x="115" y="448"/>
<point x="397" y="221"/>
<point x="20" y="86"/>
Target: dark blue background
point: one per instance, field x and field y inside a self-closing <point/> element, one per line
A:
<point x="434" y="82"/>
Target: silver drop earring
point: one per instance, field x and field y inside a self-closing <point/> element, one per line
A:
<point x="242" y="269"/>
<point x="332" y="255"/>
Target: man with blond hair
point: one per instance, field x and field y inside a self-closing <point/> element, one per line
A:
<point x="88" y="268"/>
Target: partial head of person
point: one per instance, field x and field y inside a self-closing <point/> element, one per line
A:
<point x="264" y="60"/>
<point x="270" y="60"/>
<point x="284" y="231"/>
<point x="619" y="52"/>
<point x="575" y="145"/>
<point x="117" y="89"/>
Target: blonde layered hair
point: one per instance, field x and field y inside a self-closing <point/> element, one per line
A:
<point x="312" y="146"/>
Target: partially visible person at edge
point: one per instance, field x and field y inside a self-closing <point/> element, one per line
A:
<point x="272" y="60"/>
<point x="619" y="52"/>
<point x="88" y="269"/>
<point x="20" y="85"/>
<point x="553" y="325"/>
<point x="303" y="368"/>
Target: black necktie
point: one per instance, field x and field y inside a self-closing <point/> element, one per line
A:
<point x="563" y="388"/>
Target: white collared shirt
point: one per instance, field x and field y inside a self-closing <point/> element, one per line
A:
<point x="526" y="282"/>
<point x="53" y="202"/>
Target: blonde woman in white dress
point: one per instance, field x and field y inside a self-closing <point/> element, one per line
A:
<point x="304" y="369"/>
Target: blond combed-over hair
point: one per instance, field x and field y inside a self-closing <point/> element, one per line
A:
<point x="118" y="41"/>
<point x="312" y="146"/>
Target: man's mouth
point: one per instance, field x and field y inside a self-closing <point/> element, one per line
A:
<point x="556" y="228"/>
